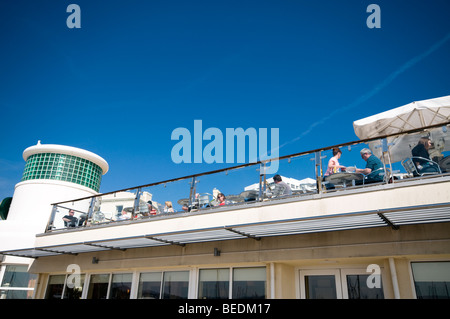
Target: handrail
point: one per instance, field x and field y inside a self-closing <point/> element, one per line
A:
<point x="416" y="130"/>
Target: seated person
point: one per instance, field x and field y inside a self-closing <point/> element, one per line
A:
<point x="151" y="208"/>
<point x="334" y="166"/>
<point x="124" y="216"/>
<point x="168" y="208"/>
<point x="83" y="218"/>
<point x="423" y="164"/>
<point x="70" y="220"/>
<point x="333" y="163"/>
<point x="281" y="188"/>
<point x="374" y="170"/>
<point x="221" y="200"/>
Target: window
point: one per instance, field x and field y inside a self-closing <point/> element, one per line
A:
<point x="357" y="288"/>
<point x="121" y="286"/>
<point x="110" y="286"/>
<point x="214" y="284"/>
<point x="320" y="287"/>
<point x="58" y="288"/>
<point x="339" y="284"/>
<point x="150" y="285"/>
<point x="249" y="283"/>
<point x="320" y="284"/>
<point x="164" y="285"/>
<point x="246" y="283"/>
<point x="98" y="286"/>
<point x="431" y="279"/>
<point x="72" y="291"/>
<point x="55" y="287"/>
<point x="175" y="285"/>
<point x="17" y="283"/>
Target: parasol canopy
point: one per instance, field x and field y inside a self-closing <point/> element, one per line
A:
<point x="411" y="116"/>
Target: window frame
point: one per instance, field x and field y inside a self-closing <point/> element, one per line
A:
<point x="320" y="272"/>
<point x="359" y="271"/>
<point x="110" y="278"/>
<point x="411" y="273"/>
<point x="25" y="289"/>
<point x="65" y="284"/>
<point x="231" y="270"/>
<point x="340" y="275"/>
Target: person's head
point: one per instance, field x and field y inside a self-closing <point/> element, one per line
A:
<point x="337" y="152"/>
<point x="169" y="204"/>
<point x="365" y="153"/>
<point x="71" y="212"/>
<point x="425" y="141"/>
<point x="277" y="178"/>
<point x="221" y="197"/>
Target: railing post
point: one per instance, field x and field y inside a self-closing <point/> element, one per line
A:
<point x="90" y="210"/>
<point x="136" y="201"/>
<point x="192" y="192"/>
<point x="52" y="218"/>
<point x="262" y="180"/>
<point x="385" y="154"/>
<point x="318" y="169"/>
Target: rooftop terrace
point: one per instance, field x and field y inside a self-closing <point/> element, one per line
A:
<point x="141" y="217"/>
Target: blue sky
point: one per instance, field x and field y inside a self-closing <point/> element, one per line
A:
<point x="137" y="70"/>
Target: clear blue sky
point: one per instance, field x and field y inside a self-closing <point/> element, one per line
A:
<point x="137" y="70"/>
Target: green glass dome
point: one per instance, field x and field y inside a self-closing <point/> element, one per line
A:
<point x="63" y="163"/>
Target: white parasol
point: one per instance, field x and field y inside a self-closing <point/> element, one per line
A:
<point x="408" y="117"/>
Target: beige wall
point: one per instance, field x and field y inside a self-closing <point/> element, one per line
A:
<point x="288" y="254"/>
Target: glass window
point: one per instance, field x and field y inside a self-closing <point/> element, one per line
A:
<point x="175" y="285"/>
<point x="62" y="167"/>
<point x="357" y="288"/>
<point x="75" y="291"/>
<point x="149" y="285"/>
<point x="320" y="287"/>
<point x="121" y="286"/>
<point x="249" y="283"/>
<point x="98" y="286"/>
<point x="17" y="283"/>
<point x="15" y="294"/>
<point x="55" y="287"/>
<point x="214" y="284"/>
<point x="431" y="279"/>
<point x="18" y="276"/>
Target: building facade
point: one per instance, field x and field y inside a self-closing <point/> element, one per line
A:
<point x="384" y="240"/>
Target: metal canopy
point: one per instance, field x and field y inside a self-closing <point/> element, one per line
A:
<point x="29" y="253"/>
<point x="125" y="243"/>
<point x="392" y="218"/>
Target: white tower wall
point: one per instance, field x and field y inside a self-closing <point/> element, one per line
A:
<point x="32" y="201"/>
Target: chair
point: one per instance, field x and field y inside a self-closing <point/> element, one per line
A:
<point x="72" y="223"/>
<point x="203" y="200"/>
<point x="411" y="168"/>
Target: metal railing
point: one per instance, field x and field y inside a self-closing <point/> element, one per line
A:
<point x="247" y="184"/>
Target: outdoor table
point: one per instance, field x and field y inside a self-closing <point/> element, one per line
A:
<point x="344" y="178"/>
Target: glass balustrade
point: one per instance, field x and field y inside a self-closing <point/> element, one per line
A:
<point x="304" y="174"/>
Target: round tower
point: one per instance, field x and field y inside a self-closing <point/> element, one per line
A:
<point x="53" y="173"/>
